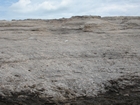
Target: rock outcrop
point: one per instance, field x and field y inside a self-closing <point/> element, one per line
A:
<point x="52" y="61"/>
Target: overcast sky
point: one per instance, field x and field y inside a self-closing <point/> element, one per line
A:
<point x="46" y="9"/>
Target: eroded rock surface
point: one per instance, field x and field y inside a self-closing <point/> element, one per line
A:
<point x="62" y="59"/>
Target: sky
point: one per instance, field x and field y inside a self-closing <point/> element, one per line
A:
<point x="54" y="9"/>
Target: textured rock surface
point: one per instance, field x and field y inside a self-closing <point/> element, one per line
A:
<point x="66" y="58"/>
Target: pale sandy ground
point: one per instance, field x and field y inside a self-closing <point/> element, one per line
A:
<point x="67" y="58"/>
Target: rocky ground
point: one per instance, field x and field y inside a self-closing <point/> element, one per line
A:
<point x="83" y="60"/>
